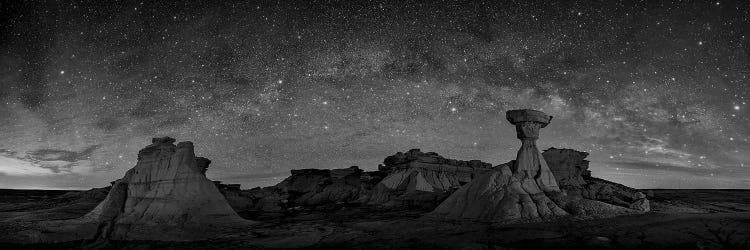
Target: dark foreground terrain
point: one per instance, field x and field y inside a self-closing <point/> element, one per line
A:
<point x="680" y="219"/>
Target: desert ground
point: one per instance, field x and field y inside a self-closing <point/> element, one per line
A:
<point x="679" y="219"/>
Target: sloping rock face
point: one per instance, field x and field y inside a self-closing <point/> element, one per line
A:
<point x="417" y="179"/>
<point x="522" y="190"/>
<point x="571" y="172"/>
<point x="166" y="196"/>
<point x="500" y="196"/>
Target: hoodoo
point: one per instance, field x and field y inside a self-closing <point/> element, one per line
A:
<point x="530" y="165"/>
<point x="521" y="190"/>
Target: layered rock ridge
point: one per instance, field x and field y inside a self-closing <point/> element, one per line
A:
<point x="417" y="179"/>
<point x="315" y="189"/>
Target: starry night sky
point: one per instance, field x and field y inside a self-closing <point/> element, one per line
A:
<point x="657" y="93"/>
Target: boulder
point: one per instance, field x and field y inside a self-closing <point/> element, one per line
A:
<point x="640" y="202"/>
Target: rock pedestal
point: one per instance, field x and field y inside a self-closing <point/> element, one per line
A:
<point x="522" y="190"/>
<point x="530" y="164"/>
<point x="517" y="191"/>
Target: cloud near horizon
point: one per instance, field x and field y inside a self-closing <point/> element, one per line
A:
<point x="45" y="162"/>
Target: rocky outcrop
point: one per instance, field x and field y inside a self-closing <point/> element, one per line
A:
<point x="407" y="179"/>
<point x="610" y="192"/>
<point x="165" y="197"/>
<point x="568" y="165"/>
<point x="314" y="187"/>
<point x="517" y="191"/>
<point x="571" y="172"/>
<point x="417" y="179"/>
<point x="310" y="189"/>
<point x="521" y="190"/>
<point x="500" y="196"/>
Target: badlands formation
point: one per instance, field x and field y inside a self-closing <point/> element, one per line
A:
<point x="522" y="190"/>
<point x="167" y="197"/>
<point x="535" y="186"/>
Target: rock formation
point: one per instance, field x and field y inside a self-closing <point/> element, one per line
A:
<point x="422" y="179"/>
<point x="517" y="191"/>
<point x="568" y="166"/>
<point x="165" y="197"/>
<point x="521" y="190"/>
<point x="640" y="202"/>
<point x="309" y="188"/>
<point x="571" y="172"/>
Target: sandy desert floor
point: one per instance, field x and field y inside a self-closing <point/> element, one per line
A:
<point x="680" y="219"/>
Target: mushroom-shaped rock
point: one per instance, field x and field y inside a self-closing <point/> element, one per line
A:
<point x="512" y="192"/>
<point x="521" y="190"/>
<point x="530" y="164"/>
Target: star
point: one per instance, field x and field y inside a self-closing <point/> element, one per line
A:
<point x="261" y="98"/>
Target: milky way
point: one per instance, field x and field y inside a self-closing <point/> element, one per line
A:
<point x="656" y="92"/>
